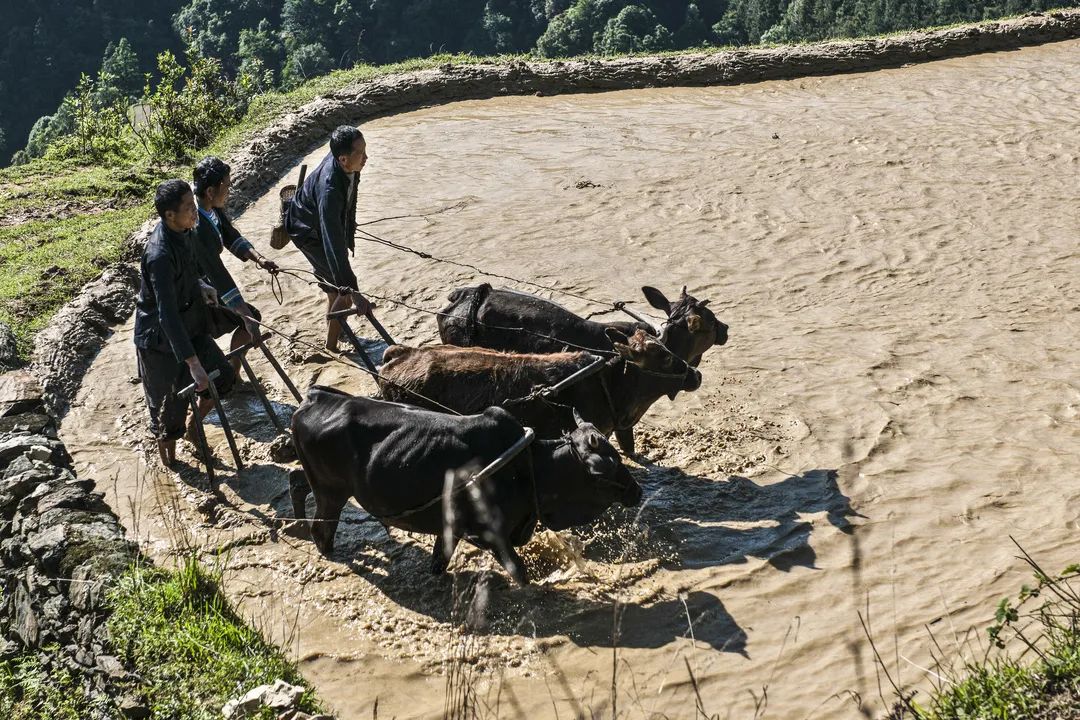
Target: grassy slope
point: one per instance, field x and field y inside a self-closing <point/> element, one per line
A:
<point x="179" y="635"/>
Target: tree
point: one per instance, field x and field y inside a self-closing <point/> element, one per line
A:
<point x="634" y="29"/>
<point x="261" y="45"/>
<point x="572" y="32"/>
<point x="305" y="62"/>
<point x="119" y="79"/>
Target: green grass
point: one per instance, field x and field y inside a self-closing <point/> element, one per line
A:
<point x="193" y="652"/>
<point x="44" y="263"/>
<point x="31" y="691"/>
<point x="1029" y="669"/>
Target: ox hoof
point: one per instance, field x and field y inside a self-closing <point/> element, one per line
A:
<point x="326" y="549"/>
<point x="626" y="441"/>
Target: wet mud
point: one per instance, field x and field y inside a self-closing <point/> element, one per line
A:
<point x="896" y="256"/>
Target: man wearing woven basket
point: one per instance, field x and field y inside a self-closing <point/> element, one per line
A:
<point x="321" y="221"/>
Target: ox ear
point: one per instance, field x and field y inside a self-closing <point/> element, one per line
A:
<point x="656" y="298"/>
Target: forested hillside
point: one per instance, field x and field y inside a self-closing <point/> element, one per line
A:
<point x="48" y="44"/>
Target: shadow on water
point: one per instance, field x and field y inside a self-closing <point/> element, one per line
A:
<point x="247" y="417"/>
<point x="691" y="521"/>
<point x="398" y="566"/>
<point x="399" y="570"/>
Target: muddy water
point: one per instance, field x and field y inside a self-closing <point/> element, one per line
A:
<point x="896" y="254"/>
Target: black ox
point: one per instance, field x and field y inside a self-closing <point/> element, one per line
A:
<point x="394" y="460"/>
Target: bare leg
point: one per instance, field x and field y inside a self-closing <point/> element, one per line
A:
<point x="335" y="302"/>
<point x="239" y="337"/>
<point x="324" y="525"/>
<point x="206" y="404"/>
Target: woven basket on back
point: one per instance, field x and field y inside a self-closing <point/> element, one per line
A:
<point x="278" y="237"/>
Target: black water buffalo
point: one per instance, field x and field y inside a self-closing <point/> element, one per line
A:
<point x="514" y="321"/>
<point x="485" y="317"/>
<point x="394" y="460"/>
<point x="468" y="380"/>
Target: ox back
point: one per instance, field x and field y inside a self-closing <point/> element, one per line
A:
<point x="484" y="317"/>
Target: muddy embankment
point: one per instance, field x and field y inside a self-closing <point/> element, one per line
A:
<point x="900" y="374"/>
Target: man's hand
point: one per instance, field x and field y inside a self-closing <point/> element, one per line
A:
<point x="363" y="305"/>
<point x="268" y="265"/>
<point x="209" y="293"/>
<point x="198" y="374"/>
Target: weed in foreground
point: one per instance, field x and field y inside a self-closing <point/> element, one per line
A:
<point x="187" y="644"/>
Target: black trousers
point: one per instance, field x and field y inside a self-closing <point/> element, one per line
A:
<point x="163" y="376"/>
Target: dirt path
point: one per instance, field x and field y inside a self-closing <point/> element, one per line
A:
<point x="896" y="254"/>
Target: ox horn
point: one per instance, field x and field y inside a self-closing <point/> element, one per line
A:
<point x="577" y="417"/>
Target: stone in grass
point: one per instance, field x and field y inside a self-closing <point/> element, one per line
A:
<point x="281" y="697"/>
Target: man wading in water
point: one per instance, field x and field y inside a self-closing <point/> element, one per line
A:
<point x="321" y="220"/>
<point x="213" y="233"/>
<point x="172" y="337"/>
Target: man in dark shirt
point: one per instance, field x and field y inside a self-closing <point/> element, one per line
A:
<point x="213" y="233"/>
<point x="321" y="220"/>
<point x="172" y="336"/>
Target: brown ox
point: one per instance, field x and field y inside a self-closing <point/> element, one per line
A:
<point x="468" y="380"/>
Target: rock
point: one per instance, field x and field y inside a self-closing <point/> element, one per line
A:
<point x="49" y="545"/>
<point x="67" y="496"/>
<point x="9" y="649"/>
<point x="133" y="708"/>
<point x="20" y="392"/>
<point x="281" y="697"/>
<point x="12" y="446"/>
<point x="111" y="666"/>
<point x="26" y="622"/>
<point x="86" y="591"/>
<point x="28" y="422"/>
<point x="9" y="352"/>
<point x="282" y="449"/>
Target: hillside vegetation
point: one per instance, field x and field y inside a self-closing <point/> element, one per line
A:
<point x="47" y="46"/>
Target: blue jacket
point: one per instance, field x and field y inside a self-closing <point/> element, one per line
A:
<point x="324" y="211"/>
<point x="212" y="235"/>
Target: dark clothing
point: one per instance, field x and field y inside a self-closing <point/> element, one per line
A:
<point x="222" y="323"/>
<point x="172" y="323"/>
<point x="162" y="376"/>
<point x="213" y="234"/>
<point x="321" y="220"/>
<point x="170" y="310"/>
<point x="316" y="257"/>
